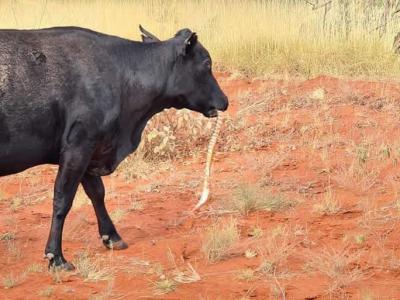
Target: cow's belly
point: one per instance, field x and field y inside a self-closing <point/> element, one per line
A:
<point x="25" y="152"/>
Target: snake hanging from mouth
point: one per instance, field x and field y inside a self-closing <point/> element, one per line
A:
<point x="210" y="152"/>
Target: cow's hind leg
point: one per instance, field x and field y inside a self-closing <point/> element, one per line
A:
<point x="94" y="188"/>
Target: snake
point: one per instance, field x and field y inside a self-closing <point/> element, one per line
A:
<point x="207" y="170"/>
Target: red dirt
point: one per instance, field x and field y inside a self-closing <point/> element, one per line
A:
<point x="279" y="135"/>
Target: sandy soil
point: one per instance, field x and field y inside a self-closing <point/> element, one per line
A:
<point x="329" y="146"/>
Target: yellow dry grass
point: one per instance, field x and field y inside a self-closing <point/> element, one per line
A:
<point x="284" y="37"/>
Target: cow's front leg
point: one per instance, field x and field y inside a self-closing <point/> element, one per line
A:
<point x="94" y="188"/>
<point x="73" y="165"/>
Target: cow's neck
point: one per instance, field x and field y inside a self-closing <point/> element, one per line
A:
<point x="144" y="95"/>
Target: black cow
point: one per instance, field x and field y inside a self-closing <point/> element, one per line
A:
<point x="81" y="99"/>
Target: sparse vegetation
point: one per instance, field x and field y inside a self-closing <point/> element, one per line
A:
<point x="7" y="236"/>
<point x="9" y="281"/>
<point x="340" y="266"/>
<point x="248" y="198"/>
<point x="165" y="286"/>
<point x="247" y="274"/>
<point x="80" y="198"/>
<point x="274" y="251"/>
<point x="219" y="240"/>
<point x="57" y="274"/>
<point x="135" y="205"/>
<point x="359" y="239"/>
<point x="117" y="214"/>
<point x="329" y="205"/>
<point x="107" y="293"/>
<point x="35" y="268"/>
<point x="256" y="232"/>
<point x="349" y="38"/>
<point x="91" y="269"/>
<point x="330" y="143"/>
<point x="46" y="292"/>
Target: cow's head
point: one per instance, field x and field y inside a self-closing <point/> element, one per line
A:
<point x="191" y="82"/>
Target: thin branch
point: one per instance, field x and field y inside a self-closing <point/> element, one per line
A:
<point x="316" y="6"/>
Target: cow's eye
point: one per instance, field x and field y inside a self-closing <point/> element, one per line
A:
<point x="207" y="64"/>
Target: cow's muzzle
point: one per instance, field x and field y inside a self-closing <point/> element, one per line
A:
<point x="220" y="105"/>
<point x="223" y="104"/>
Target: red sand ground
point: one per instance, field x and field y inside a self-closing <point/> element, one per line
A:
<point x="324" y="139"/>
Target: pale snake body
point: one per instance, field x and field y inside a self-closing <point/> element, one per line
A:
<point x="210" y="151"/>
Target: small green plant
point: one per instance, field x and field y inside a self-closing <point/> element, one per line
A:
<point x="165" y="286"/>
<point x="359" y="239"/>
<point x="247" y="199"/>
<point x="219" y="239"/>
<point x="386" y="151"/>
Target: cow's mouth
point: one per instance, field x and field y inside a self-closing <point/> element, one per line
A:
<point x="211" y="113"/>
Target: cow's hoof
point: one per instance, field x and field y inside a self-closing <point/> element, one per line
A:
<point x="117" y="245"/>
<point x="67" y="266"/>
<point x="59" y="263"/>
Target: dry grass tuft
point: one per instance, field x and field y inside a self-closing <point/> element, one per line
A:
<point x="247" y="275"/>
<point x="329" y="204"/>
<point x="92" y="269"/>
<point x="46" y="292"/>
<point x="249" y="198"/>
<point x="117" y="215"/>
<point x="340" y="267"/>
<point x="274" y="250"/>
<point x="164" y="286"/>
<point x="219" y="240"/>
<point x="106" y="294"/>
<point x="10" y="281"/>
<point x="81" y="199"/>
<point x="35" y="268"/>
<point x="7" y="236"/>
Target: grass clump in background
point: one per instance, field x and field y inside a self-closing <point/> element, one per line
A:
<point x="288" y="37"/>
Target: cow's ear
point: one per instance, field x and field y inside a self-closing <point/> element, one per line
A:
<point x="186" y="41"/>
<point x="148" y="37"/>
<point x="190" y="42"/>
